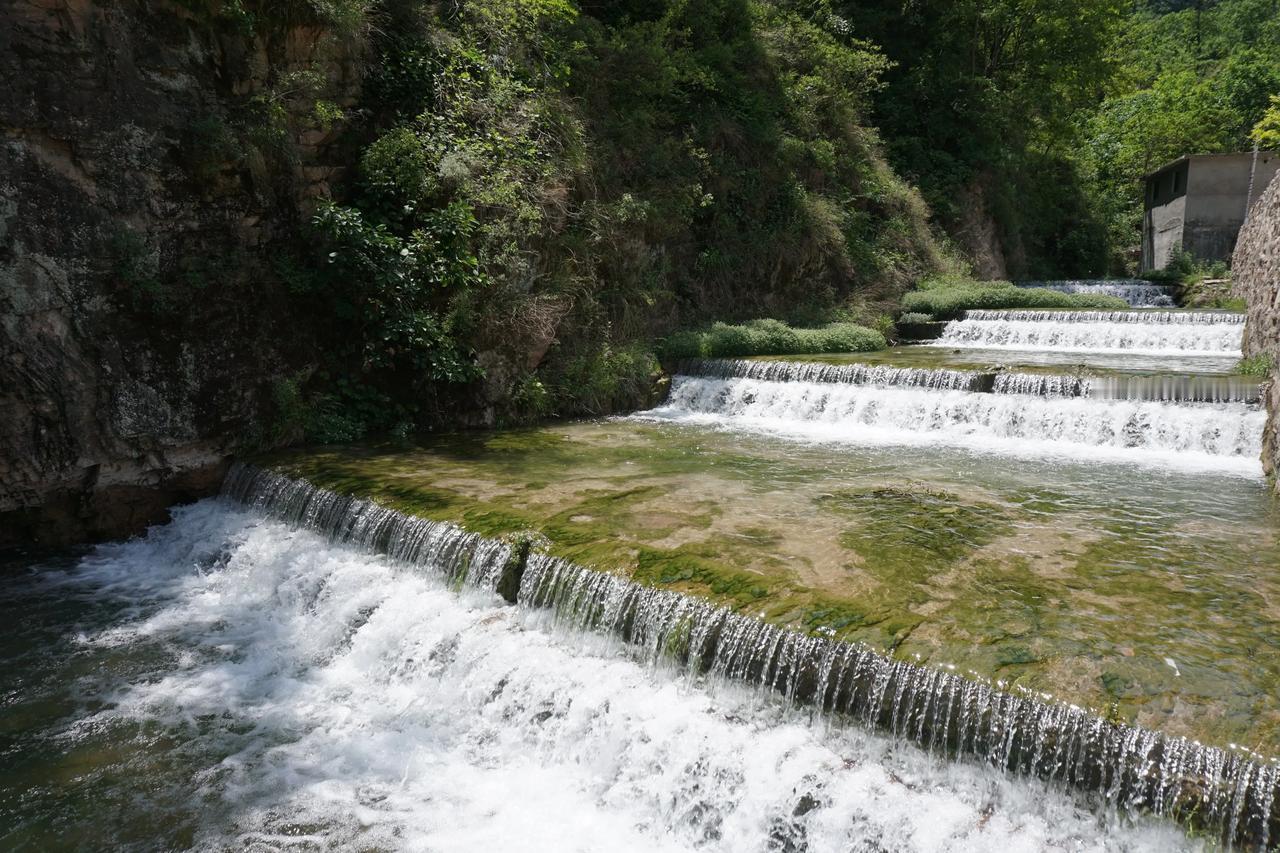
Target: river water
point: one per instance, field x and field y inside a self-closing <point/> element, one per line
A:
<point x="1050" y="524"/>
<point x="230" y="683"/>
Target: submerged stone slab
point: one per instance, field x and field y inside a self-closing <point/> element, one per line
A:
<point x="1149" y="598"/>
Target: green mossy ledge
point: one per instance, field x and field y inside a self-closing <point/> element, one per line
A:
<point x="586" y="532"/>
<point x="931" y="570"/>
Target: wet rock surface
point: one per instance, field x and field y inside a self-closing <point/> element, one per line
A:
<point x="118" y="398"/>
<point x="1256" y="277"/>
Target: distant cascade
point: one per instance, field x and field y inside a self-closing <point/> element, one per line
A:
<point x="1041" y="384"/>
<point x="1056" y="333"/>
<point x="1228" y="793"/>
<point x="849" y="374"/>
<point x="1138" y="293"/>
<point x="951" y="416"/>
<point x="1179" y="318"/>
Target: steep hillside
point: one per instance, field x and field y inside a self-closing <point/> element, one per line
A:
<point x="583" y="181"/>
<point x="244" y="223"/>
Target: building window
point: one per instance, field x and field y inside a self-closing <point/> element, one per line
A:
<point x="1179" y="182"/>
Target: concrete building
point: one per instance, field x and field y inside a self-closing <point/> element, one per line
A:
<point x="1198" y="203"/>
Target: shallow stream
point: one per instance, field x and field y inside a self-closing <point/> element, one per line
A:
<point x="1046" y="513"/>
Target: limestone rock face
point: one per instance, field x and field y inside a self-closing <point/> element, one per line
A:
<point x="1256" y="278"/>
<point x="135" y="346"/>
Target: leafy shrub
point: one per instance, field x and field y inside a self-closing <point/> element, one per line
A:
<point x="545" y="183"/>
<point x="839" y="337"/>
<point x="774" y="336"/>
<point x="1185" y="269"/>
<point x="1259" y="365"/>
<point x="770" y="337"/>
<point x="949" y="302"/>
<point x="604" y="380"/>
<point x="209" y="146"/>
<point x="914" y="317"/>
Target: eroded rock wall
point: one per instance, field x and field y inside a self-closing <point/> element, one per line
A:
<point x="136" y="219"/>
<point x="1256" y="278"/>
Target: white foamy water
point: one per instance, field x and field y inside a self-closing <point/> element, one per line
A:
<point x="1146" y="317"/>
<point x="328" y="699"/>
<point x="1094" y="336"/>
<point x="1218" y="438"/>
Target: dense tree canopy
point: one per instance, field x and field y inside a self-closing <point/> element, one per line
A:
<point x="1190" y="78"/>
<point x="1057" y="109"/>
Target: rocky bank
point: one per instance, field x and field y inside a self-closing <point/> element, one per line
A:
<point x="144" y="144"/>
<point x="1256" y="278"/>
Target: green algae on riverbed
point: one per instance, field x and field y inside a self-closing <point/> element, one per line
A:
<point x="1149" y="596"/>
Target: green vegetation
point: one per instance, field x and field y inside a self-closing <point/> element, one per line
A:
<point x="1189" y="78"/>
<point x="771" y="337"/>
<point x="542" y="194"/>
<point x="949" y="297"/>
<point x="347" y="18"/>
<point x="980" y="108"/>
<point x="542" y="191"/>
<point x="942" y="529"/>
<point x="1260" y="365"/>
<point x="1266" y="133"/>
<point x="1204" y="284"/>
<point x="1185" y="270"/>
<point x="1040" y="118"/>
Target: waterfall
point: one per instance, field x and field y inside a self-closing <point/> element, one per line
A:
<point x="849" y="374"/>
<point x="1166" y="388"/>
<point x="1138" y="293"/>
<point x="1078" y="335"/>
<point x="1041" y="384"/>
<point x="1228" y="793"/>
<point x="1193" y="318"/>
<point x="1219" y="438"/>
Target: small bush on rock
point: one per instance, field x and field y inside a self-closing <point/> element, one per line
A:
<point x="949" y="300"/>
<point x="770" y="337"/>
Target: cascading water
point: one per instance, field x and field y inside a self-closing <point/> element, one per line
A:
<point x="849" y="374"/>
<point x="1067" y="333"/>
<point x="1217" y="438"/>
<point x="1138" y="293"/>
<point x="1166" y="388"/>
<point x="1041" y="384"/>
<point x="1227" y="792"/>
<point x="1179" y="318"/>
<point x="246" y="685"/>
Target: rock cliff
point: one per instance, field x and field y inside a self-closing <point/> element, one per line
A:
<point x="1256" y="278"/>
<point x="144" y="144"/>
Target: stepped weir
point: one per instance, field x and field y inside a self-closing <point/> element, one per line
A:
<point x="1141" y="429"/>
<point x="1167" y="388"/>
<point x="1228" y="793"/>
<point x="846" y="374"/>
<point x="1159" y="332"/>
